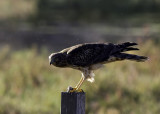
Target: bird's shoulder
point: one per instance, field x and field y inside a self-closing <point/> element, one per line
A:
<point x="66" y="50"/>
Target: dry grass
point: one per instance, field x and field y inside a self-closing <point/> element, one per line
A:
<point x="16" y="8"/>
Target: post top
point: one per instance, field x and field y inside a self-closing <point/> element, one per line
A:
<point x="73" y="93"/>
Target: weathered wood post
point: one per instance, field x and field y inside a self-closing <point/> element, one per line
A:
<point x="73" y="103"/>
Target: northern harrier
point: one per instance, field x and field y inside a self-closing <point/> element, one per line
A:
<point x="91" y="56"/>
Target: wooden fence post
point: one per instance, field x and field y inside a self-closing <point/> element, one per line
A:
<point x="72" y="103"/>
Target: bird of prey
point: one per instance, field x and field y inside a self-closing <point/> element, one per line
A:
<point x="91" y="56"/>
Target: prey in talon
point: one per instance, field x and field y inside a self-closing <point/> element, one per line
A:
<point x="89" y="57"/>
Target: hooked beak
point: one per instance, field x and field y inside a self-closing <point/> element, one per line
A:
<point x="51" y="63"/>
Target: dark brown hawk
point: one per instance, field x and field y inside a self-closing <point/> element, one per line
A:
<point x="91" y="56"/>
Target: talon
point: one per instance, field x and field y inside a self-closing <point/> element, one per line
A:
<point x="79" y="90"/>
<point x="71" y="90"/>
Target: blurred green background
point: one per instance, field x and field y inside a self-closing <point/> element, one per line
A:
<point x="32" y="29"/>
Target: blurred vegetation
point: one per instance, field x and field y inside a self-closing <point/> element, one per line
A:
<point x="54" y="11"/>
<point x="29" y="85"/>
<point x="17" y="9"/>
<point x="93" y="10"/>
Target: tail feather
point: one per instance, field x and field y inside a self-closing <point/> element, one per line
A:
<point x="129" y="49"/>
<point x="127" y="44"/>
<point x="117" y="53"/>
<point x="137" y="58"/>
<point x="124" y="47"/>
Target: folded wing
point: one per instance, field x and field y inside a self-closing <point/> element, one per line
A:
<point x="88" y="54"/>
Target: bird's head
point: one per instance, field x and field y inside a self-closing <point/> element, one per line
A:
<point x="58" y="59"/>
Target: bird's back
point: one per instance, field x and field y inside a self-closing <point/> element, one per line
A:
<point x="92" y="53"/>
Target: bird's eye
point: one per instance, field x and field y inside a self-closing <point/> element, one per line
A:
<point x="56" y="59"/>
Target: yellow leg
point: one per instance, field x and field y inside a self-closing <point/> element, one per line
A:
<point x="80" y="83"/>
<point x="76" y="89"/>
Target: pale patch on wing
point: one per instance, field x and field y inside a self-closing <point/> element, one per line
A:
<point x="112" y="59"/>
<point x="65" y="50"/>
<point x="73" y="47"/>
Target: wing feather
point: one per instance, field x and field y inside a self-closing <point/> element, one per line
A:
<point x="88" y="54"/>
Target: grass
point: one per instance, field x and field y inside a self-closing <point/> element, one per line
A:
<point x="16" y="9"/>
<point x="29" y="85"/>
